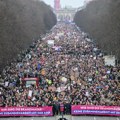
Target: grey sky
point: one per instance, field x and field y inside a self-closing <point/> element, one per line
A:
<point x="73" y="3"/>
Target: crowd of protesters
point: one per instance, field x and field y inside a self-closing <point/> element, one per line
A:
<point x="72" y="72"/>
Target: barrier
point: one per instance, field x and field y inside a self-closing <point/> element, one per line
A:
<point x="95" y="110"/>
<point x="25" y="111"/>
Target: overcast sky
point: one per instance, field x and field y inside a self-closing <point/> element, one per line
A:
<point x="73" y="3"/>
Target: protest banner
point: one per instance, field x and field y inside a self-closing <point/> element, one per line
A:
<point x="95" y="110"/>
<point x="25" y="111"/>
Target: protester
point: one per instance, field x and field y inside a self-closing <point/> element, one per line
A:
<point x="70" y="72"/>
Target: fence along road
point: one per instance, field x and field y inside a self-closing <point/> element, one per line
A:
<point x="68" y="117"/>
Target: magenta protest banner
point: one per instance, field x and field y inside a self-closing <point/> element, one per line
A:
<point x="95" y="110"/>
<point x="26" y="111"/>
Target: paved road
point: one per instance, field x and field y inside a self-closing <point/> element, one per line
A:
<point x="95" y="118"/>
<point x="68" y="117"/>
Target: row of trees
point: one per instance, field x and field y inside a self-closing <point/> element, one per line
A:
<point x="101" y="20"/>
<point x="21" y="21"/>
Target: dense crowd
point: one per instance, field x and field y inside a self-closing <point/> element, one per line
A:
<point x="71" y="72"/>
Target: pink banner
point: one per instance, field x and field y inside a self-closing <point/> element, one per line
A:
<point x="26" y="111"/>
<point x="95" y="110"/>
